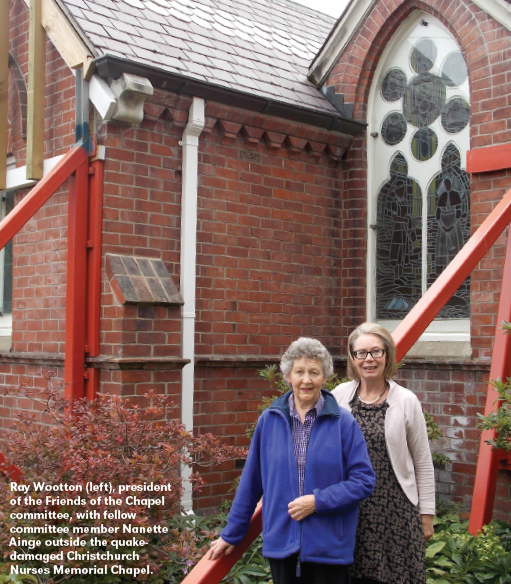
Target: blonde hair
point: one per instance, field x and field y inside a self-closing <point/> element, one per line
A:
<point x="371" y="328"/>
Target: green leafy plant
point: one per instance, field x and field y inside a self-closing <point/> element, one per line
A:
<point x="454" y="556"/>
<point x="434" y="433"/>
<point x="252" y="568"/>
<point x="195" y="534"/>
<point x="500" y="421"/>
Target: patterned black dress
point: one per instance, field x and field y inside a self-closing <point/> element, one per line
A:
<point x="390" y="544"/>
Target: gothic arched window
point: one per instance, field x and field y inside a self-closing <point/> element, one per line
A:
<point x="419" y="192"/>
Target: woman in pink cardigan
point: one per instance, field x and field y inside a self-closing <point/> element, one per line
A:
<point x="397" y="518"/>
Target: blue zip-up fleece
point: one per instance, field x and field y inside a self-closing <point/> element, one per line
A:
<point x="338" y="472"/>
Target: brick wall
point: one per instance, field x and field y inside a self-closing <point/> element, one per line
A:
<point x="268" y="243"/>
<point x="226" y="403"/>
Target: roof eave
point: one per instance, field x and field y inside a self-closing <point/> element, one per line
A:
<point x="111" y="66"/>
<point x="338" y="40"/>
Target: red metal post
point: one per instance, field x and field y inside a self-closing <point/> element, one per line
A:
<point x="96" y="173"/>
<point x="35" y="199"/>
<point x="423" y="313"/>
<point x="488" y="461"/>
<point x="76" y="289"/>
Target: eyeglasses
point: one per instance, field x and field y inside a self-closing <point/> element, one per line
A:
<point x="375" y="354"/>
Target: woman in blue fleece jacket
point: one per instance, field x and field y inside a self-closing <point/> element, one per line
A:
<point x="309" y="460"/>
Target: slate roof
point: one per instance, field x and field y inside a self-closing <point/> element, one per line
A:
<point x="259" y="47"/>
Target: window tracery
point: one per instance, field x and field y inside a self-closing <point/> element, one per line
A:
<point x="422" y="201"/>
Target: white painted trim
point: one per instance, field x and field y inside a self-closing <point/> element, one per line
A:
<point x="341" y="35"/>
<point x="102" y="97"/>
<point x="190" y="143"/>
<point x="497" y="9"/>
<point x="453" y="330"/>
<point x="17" y="177"/>
<point x="6" y="325"/>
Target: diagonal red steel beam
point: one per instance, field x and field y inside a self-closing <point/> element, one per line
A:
<point x="39" y="194"/>
<point x="488" y="462"/>
<point x="213" y="571"/>
<point x="424" y="312"/>
<point x="73" y="166"/>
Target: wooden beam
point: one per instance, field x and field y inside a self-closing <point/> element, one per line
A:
<point x="66" y="39"/>
<point x="35" y="117"/>
<point x="4" y="83"/>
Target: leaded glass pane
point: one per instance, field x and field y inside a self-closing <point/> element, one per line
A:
<point x="7" y="272"/>
<point x="399" y="243"/>
<point x="393" y="85"/>
<point x="424" y="144"/>
<point x="455" y="115"/>
<point x="449" y="226"/>
<point x="423" y="56"/>
<point x="454" y="70"/>
<point x="393" y="129"/>
<point x="424" y="99"/>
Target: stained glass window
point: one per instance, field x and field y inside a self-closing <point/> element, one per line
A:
<point x="398" y="253"/>
<point x="424" y="144"/>
<point x="422" y="192"/>
<point x="394" y="128"/>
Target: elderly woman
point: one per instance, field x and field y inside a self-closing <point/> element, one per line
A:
<point x="398" y="517"/>
<point x="309" y="461"/>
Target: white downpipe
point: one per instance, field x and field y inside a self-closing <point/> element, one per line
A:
<point x="190" y="144"/>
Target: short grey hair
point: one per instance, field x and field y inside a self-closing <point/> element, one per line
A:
<point x="307" y="348"/>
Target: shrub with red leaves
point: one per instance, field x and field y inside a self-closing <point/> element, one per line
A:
<point x="126" y="452"/>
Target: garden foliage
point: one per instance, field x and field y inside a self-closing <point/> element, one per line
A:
<point x="500" y="420"/>
<point x="107" y="440"/>
<point x="454" y="556"/>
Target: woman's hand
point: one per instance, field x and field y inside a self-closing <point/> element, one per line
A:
<point x="218" y="548"/>
<point x="301" y="507"/>
<point x="427" y="526"/>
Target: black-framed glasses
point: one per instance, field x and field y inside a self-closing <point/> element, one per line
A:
<point x="375" y="353"/>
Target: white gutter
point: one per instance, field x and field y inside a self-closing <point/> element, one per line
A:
<point x="190" y="143"/>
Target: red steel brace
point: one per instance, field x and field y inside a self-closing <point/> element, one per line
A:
<point x="488" y="461"/>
